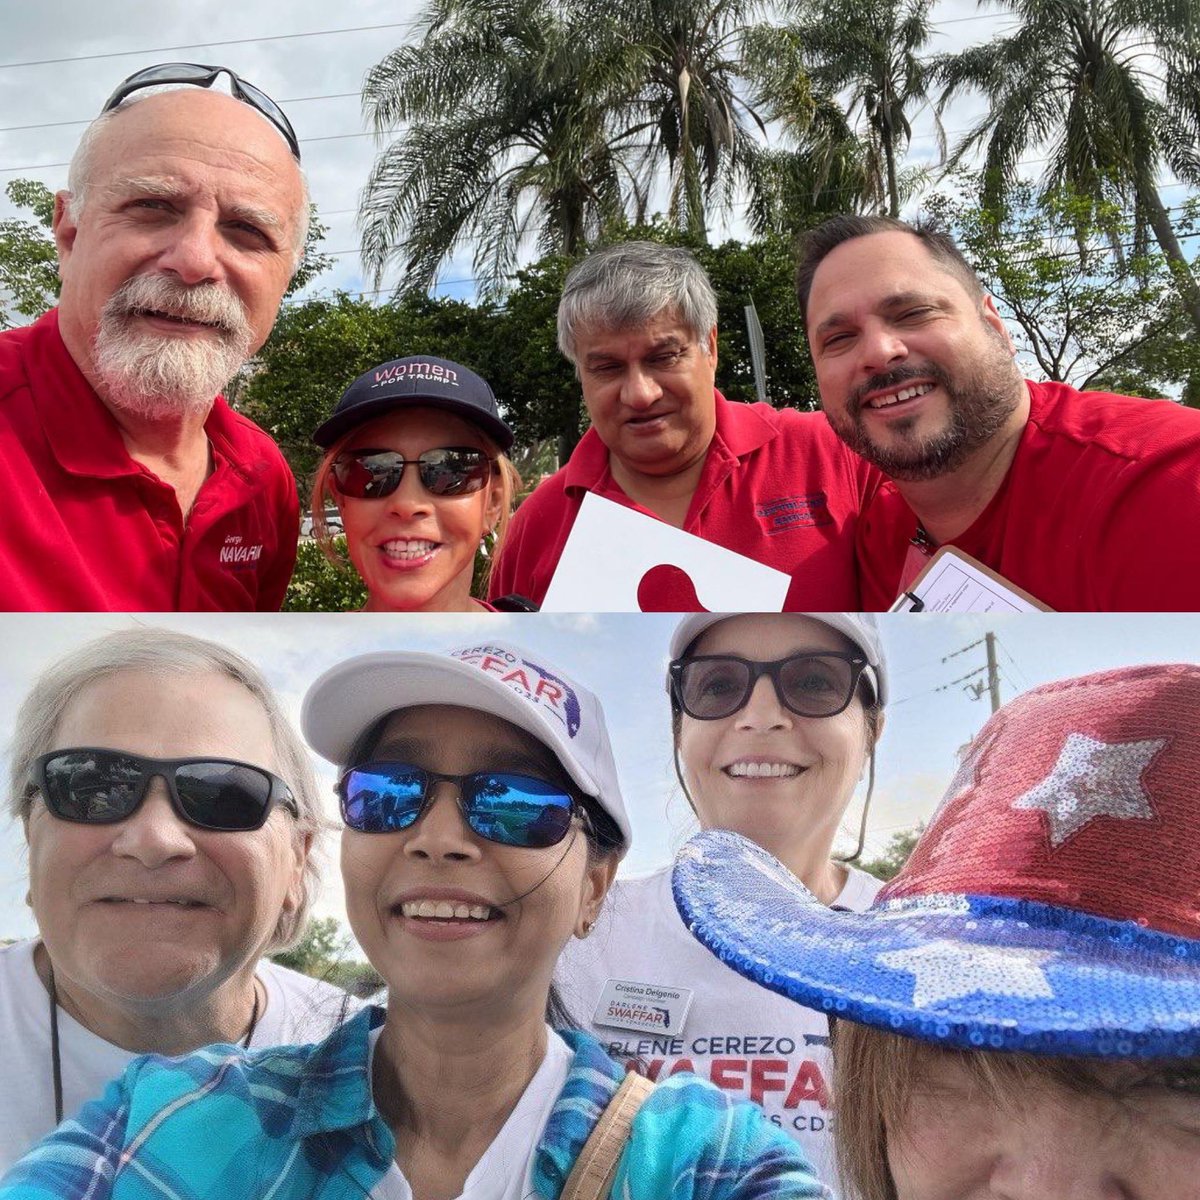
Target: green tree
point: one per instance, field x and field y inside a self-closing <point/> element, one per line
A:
<point x="688" y="68"/>
<point x="895" y="855"/>
<point x="1088" y="316"/>
<point x="322" y="954"/>
<point x="1110" y="88"/>
<point x="870" y="53"/>
<point x="502" y="109"/>
<point x="28" y="259"/>
<point x="322" y="943"/>
<point x="318" y="585"/>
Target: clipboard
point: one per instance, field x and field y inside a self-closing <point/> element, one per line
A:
<point x="952" y="581"/>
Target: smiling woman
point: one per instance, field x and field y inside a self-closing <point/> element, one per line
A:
<point x="484" y="823"/>
<point x="414" y="462"/>
<point x="775" y="718"/>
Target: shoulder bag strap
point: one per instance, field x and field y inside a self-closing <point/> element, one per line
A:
<point x="592" y="1175"/>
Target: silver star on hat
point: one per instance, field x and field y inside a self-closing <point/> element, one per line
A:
<point x="1093" y="779"/>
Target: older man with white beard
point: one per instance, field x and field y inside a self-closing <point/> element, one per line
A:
<point x="127" y="481"/>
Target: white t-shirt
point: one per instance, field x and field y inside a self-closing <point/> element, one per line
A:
<point x="505" y="1170"/>
<point x="298" y="1009"/>
<point x="740" y="1036"/>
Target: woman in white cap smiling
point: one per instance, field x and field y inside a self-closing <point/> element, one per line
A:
<point x="415" y="462"/>
<point x="1018" y="1014"/>
<point x="483" y="826"/>
<point x="775" y="721"/>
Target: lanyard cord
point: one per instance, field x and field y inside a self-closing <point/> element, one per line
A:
<point x="55" y="1056"/>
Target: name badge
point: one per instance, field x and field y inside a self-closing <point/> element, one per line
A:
<point x="646" y="1007"/>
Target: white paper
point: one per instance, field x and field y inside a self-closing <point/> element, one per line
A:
<point x="612" y="549"/>
<point x="954" y="584"/>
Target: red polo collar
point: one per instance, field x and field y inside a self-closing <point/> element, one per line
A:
<point x="741" y="429"/>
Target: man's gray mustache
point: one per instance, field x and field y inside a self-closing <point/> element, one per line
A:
<point x="206" y="304"/>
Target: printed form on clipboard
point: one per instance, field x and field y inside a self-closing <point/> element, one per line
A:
<point x="955" y="582"/>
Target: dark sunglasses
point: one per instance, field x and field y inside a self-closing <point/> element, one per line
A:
<point x="712" y="686"/>
<point x="99" y="787"/>
<point x="373" y="474"/>
<point x="514" y="810"/>
<point x="203" y="75"/>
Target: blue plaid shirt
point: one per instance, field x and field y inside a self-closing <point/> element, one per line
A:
<point x="295" y="1122"/>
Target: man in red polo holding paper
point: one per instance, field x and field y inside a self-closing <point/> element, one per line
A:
<point x="1088" y="501"/>
<point x="128" y="483"/>
<point x="639" y="321"/>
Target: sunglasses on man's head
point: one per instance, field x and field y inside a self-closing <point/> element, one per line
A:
<point x="204" y="75"/>
<point x="98" y="787"/>
<point x="711" y="686"/>
<point x="449" y="471"/>
<point x="514" y="810"/>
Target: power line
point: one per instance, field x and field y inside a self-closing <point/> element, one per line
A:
<point x="282" y="37"/>
<point x="274" y="37"/>
<point x="89" y="120"/>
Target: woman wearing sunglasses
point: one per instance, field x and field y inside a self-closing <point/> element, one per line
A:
<point x="775" y="719"/>
<point x="1019" y="1010"/>
<point x="414" y="462"/>
<point x="483" y="826"/>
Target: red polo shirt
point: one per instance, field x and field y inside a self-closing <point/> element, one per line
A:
<point x="1099" y="511"/>
<point x="86" y="527"/>
<point x="776" y="486"/>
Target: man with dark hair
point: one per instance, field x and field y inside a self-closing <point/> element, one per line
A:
<point x="1086" y="500"/>
<point x="639" y="321"/>
<point x="128" y="482"/>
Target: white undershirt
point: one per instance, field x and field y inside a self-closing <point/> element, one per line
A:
<point x="297" y="1009"/>
<point x="505" y="1171"/>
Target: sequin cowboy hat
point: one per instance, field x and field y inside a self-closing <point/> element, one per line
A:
<point x="1052" y="906"/>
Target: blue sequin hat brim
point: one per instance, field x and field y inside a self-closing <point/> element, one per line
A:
<point x="970" y="971"/>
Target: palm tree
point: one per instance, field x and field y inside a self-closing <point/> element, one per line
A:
<point x="1111" y="86"/>
<point x="688" y="98"/>
<point x="506" y="138"/>
<point x="868" y="52"/>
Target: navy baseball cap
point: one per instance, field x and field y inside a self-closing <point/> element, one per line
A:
<point x="416" y="381"/>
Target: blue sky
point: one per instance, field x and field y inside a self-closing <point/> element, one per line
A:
<point x="622" y="657"/>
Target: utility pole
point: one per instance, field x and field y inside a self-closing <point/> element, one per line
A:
<point x="992" y="687"/>
<point x="976" y="690"/>
<point x="993" y="671"/>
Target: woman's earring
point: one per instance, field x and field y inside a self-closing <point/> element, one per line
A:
<point x="586" y="928"/>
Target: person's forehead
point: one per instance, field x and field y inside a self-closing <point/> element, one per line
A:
<point x="769" y="636"/>
<point x="194" y="131"/>
<point x="451" y="728"/>
<point x="137" y="708"/>
<point x="413" y="428"/>
<point x="665" y="328"/>
<point x="873" y="270"/>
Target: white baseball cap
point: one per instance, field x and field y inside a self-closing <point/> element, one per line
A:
<point x="490" y="677"/>
<point x="861" y="628"/>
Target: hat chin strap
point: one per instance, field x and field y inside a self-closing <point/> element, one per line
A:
<point x="862" y="825"/>
<point x="559" y="863"/>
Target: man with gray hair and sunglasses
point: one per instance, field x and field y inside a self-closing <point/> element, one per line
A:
<point x="170" y="812"/>
<point x="129" y="483"/>
<point x="639" y="322"/>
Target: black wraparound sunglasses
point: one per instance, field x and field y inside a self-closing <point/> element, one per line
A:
<point x="94" y="786"/>
<point x="447" y="471"/>
<point x="205" y="75"/>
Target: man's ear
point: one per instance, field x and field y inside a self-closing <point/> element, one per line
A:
<point x="710" y="346"/>
<point x="990" y="315"/>
<point x="64" y="227"/>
